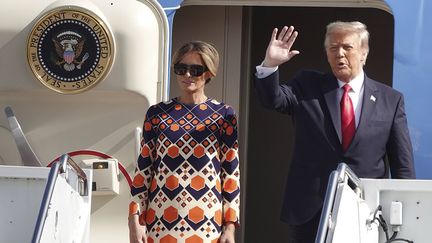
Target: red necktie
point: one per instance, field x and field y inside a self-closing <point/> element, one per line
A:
<point x="348" y="118"/>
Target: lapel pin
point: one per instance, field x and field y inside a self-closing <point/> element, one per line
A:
<point x="372" y="98"/>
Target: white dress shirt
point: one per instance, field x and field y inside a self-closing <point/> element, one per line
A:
<point x="356" y="94"/>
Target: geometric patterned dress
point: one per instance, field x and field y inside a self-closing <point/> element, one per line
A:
<point x="187" y="180"/>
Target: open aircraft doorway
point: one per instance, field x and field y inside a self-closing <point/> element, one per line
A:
<point x="270" y="134"/>
<point x="241" y="33"/>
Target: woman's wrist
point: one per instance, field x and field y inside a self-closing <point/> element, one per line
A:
<point x="134" y="212"/>
<point x="229" y="226"/>
<point x="133" y="209"/>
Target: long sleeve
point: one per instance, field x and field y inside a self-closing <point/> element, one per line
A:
<point x="144" y="167"/>
<point x="399" y="148"/>
<point x="230" y="172"/>
<point x="280" y="97"/>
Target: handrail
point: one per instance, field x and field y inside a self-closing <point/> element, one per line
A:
<point x="327" y="207"/>
<point x="340" y="175"/>
<point x="57" y="167"/>
<point x="100" y="155"/>
<point x="345" y="170"/>
<point x="43" y="211"/>
<point x="80" y="173"/>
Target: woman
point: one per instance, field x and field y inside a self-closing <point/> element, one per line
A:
<point x="187" y="177"/>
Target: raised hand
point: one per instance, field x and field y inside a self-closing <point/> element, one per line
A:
<point x="279" y="49"/>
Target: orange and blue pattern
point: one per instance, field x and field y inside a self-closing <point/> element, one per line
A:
<point x="187" y="179"/>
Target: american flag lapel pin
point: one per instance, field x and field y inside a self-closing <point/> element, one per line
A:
<point x="372" y="98"/>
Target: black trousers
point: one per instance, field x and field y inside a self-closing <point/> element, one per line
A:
<point x="304" y="233"/>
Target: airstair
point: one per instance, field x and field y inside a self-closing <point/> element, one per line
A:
<point x="375" y="210"/>
<point x="43" y="204"/>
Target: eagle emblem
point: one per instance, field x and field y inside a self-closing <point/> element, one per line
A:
<point x="68" y="47"/>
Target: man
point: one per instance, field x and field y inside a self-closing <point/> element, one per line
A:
<point x="359" y="124"/>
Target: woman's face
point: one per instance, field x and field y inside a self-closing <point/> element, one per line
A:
<point x="191" y="73"/>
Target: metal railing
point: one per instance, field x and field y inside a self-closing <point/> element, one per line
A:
<point x="57" y="168"/>
<point x="343" y="174"/>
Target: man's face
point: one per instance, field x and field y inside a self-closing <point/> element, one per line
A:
<point x="345" y="55"/>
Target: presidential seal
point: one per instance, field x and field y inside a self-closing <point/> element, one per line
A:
<point x="70" y="50"/>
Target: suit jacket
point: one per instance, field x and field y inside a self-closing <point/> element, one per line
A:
<point x="311" y="99"/>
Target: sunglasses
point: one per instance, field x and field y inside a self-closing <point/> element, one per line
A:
<point x="194" y="70"/>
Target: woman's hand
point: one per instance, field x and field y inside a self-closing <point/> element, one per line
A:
<point x="228" y="234"/>
<point x="137" y="232"/>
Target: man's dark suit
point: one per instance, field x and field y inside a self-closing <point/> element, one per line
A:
<point x="312" y="101"/>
